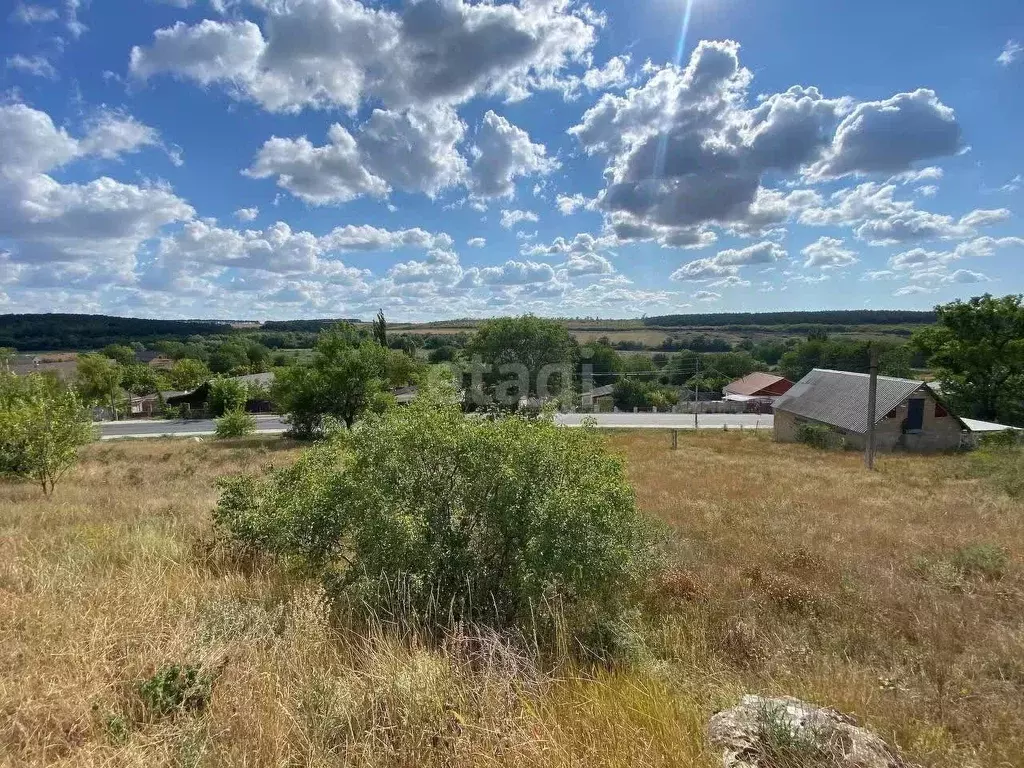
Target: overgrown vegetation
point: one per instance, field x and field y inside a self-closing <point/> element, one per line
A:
<point x="120" y="578"/>
<point x="505" y="523"/>
<point x="820" y="436"/>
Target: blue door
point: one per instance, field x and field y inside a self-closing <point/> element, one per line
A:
<point x="915" y="414"/>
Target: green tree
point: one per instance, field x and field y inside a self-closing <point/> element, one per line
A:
<point x="7" y="355"/>
<point x="842" y="355"/>
<point x="505" y="522"/>
<point x="977" y="351"/>
<point x="442" y="354"/>
<point x="630" y="392"/>
<point x="401" y="369"/>
<point x="380" y="329"/>
<point x="120" y="353"/>
<point x="226" y="395"/>
<point x="187" y="374"/>
<point x="603" y="360"/>
<point x="230" y="357"/>
<point x="98" y="379"/>
<point x="258" y="357"/>
<point x="527" y="341"/>
<point x="341" y="382"/>
<point x="42" y="427"/>
<point x="139" y="379"/>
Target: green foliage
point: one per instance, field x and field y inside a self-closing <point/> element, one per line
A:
<point x="630" y="392"/>
<point x="187" y="374"/>
<point x="977" y="351"/>
<point x="840" y="355"/>
<point x="230" y="357"/>
<point x="236" y="423"/>
<point x="822" y="317"/>
<point x="818" y="436"/>
<point x="985" y="560"/>
<point x="604" y="362"/>
<point x="527" y="341"/>
<point x="380" y="329"/>
<point x="769" y="352"/>
<point x="176" y="688"/>
<point x="98" y="379"/>
<point x="7" y="355"/>
<point x="500" y="521"/>
<point x="139" y="379"/>
<point x="442" y="354"/>
<point x="1000" y="465"/>
<point x="226" y="395"/>
<point x="119" y="353"/>
<point x="341" y="381"/>
<point x="401" y="369"/>
<point x="42" y="427"/>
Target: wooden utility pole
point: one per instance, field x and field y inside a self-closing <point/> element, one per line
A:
<point x="696" y="386"/>
<point x="869" y="446"/>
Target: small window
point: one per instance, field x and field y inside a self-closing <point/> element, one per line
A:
<point x="940" y="411"/>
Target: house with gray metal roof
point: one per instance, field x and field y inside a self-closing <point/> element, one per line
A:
<point x="908" y="414"/>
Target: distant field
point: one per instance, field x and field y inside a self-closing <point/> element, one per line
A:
<point x="654" y="336"/>
<point x="795" y="571"/>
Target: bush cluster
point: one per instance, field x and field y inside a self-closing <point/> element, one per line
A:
<point x="500" y="522"/>
<point x="818" y="436"/>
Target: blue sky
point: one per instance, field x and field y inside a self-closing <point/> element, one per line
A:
<point x="273" y="159"/>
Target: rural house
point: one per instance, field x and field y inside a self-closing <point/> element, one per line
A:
<point x="757" y="386"/>
<point x="908" y="415"/>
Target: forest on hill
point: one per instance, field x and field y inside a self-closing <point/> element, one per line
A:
<point x="822" y="317"/>
<point x="53" y="331"/>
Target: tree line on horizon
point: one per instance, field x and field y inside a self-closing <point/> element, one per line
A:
<point x="57" y="331"/>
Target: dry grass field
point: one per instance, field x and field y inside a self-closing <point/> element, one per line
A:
<point x="897" y="596"/>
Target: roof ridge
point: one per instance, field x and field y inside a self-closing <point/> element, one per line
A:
<point x="881" y="376"/>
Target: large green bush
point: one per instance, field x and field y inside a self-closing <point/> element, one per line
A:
<point x="236" y="423"/>
<point x="503" y="522"/>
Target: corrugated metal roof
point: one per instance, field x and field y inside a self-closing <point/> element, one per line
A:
<point x="752" y="383"/>
<point x="840" y="398"/>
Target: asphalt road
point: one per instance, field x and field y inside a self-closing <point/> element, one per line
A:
<point x="267" y="425"/>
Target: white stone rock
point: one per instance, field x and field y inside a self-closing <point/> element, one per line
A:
<point x="780" y="732"/>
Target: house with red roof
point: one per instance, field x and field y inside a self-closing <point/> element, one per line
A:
<point x="757" y="386"/>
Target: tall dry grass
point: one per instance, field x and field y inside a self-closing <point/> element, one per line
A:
<point x="793" y="572"/>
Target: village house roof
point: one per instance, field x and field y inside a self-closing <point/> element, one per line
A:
<point x="840" y="398"/>
<point x="753" y="383"/>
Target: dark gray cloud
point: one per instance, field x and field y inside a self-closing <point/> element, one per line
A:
<point x="686" y="150"/>
<point x="890" y="136"/>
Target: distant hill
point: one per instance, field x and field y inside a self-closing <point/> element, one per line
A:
<point x="63" y="331"/>
<point x="823" y="317"/>
<point x="48" y="332"/>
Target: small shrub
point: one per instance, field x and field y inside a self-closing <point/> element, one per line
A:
<point x="985" y="560"/>
<point x="236" y="423"/>
<point x="819" y="436"/>
<point x="779" y="744"/>
<point x="176" y="688"/>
